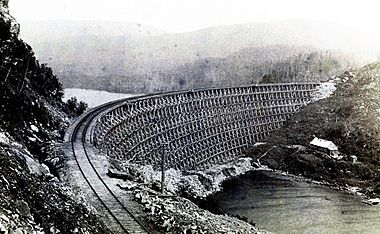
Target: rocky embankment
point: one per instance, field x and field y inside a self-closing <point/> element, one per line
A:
<point x="32" y="121"/>
<point x="173" y="212"/>
<point x="350" y="119"/>
<point x="32" y="200"/>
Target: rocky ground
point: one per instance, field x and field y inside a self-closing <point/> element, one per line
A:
<point x="349" y="118"/>
<point x="192" y="184"/>
<point x="32" y="122"/>
<point x="173" y="213"/>
<point x="32" y="200"/>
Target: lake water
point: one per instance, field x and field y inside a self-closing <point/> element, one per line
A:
<point x="94" y="97"/>
<point x="280" y="204"/>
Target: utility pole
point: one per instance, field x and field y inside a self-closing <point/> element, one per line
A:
<point x="162" y="147"/>
<point x="163" y="168"/>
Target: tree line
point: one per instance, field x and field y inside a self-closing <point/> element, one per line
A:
<point x="240" y="69"/>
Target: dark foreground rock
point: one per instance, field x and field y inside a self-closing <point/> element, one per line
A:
<point x="34" y="201"/>
<point x="32" y="122"/>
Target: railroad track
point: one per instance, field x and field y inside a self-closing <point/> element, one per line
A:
<point x="112" y="202"/>
<point x="122" y="220"/>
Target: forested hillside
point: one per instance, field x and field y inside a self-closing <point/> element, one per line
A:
<point x="306" y="67"/>
<point x="140" y="59"/>
<point x="32" y="120"/>
<point x="248" y="66"/>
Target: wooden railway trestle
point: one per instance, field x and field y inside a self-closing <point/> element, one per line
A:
<point x="199" y="127"/>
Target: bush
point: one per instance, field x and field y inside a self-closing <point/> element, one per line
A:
<point x="75" y="109"/>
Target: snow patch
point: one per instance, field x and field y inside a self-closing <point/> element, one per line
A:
<point x="325" y="90"/>
<point x="374" y="201"/>
<point x="324" y="144"/>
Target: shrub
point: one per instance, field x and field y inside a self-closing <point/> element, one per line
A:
<point x="75" y="109"/>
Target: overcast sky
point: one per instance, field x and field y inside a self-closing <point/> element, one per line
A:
<point x="188" y="15"/>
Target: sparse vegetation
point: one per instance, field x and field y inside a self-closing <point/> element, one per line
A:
<point x="305" y="67"/>
<point x="73" y="108"/>
<point x="349" y="118"/>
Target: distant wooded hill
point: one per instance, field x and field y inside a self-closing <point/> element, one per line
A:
<point x="136" y="58"/>
<point x="251" y="65"/>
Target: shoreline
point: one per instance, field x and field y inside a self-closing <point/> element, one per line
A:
<point x="152" y="199"/>
<point x="179" y="209"/>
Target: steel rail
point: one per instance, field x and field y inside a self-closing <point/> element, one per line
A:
<point x="89" y="117"/>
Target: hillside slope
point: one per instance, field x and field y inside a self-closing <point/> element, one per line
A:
<point x="32" y="200"/>
<point x="136" y="60"/>
<point x="247" y="66"/>
<point x="146" y="48"/>
<point x="350" y="119"/>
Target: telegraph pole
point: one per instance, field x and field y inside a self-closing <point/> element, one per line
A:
<point x="163" y="169"/>
<point x="162" y="148"/>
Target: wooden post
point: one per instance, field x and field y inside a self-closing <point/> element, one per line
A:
<point x="163" y="170"/>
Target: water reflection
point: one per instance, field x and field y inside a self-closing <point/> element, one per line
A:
<point x="281" y="205"/>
